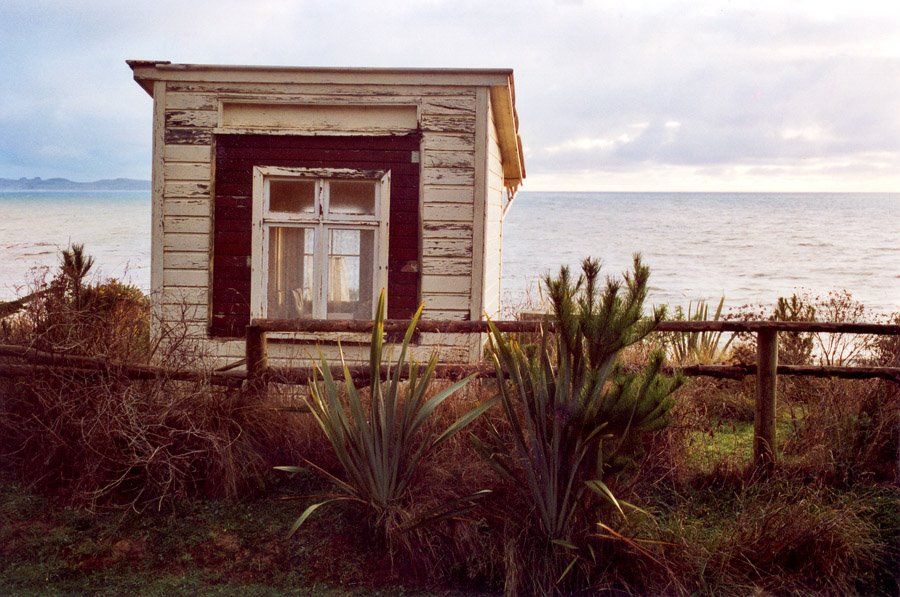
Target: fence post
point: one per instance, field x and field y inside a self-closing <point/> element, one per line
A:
<point x="257" y="353"/>
<point x="764" y="449"/>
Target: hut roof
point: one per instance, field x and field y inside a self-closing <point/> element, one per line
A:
<point x="499" y="81"/>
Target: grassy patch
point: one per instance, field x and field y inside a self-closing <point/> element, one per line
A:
<point x="200" y="547"/>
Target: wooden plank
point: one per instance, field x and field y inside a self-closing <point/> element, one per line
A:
<point x="447" y="212"/>
<point x="434" y="141"/>
<point x="446" y="284"/>
<point x="446" y="230"/>
<point x="458" y="315"/>
<point x="188" y="136"/>
<point x="157" y="209"/>
<point x="186" y="242"/>
<point x="478" y="213"/>
<point x="189" y="171"/>
<point x="192" y="101"/>
<point x="186" y="225"/>
<point x="377" y="83"/>
<point x="448" y="340"/>
<point x="187" y="278"/>
<point x="187" y="313"/>
<point x="185" y="296"/>
<point x="186" y="190"/>
<point x="448" y="176"/>
<point x="462" y="105"/>
<point x="192" y="118"/>
<point x="446" y="302"/>
<point x="448" y="266"/>
<point x="188" y="153"/>
<point x="448" y="123"/>
<point x="445" y="249"/>
<point x="447" y="194"/>
<point x="369" y="118"/>
<point x="449" y="159"/>
<point x="186" y="260"/>
<point x="188" y="207"/>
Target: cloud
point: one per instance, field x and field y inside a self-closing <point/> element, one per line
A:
<point x="762" y="87"/>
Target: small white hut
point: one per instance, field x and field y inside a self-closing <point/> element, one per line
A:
<point x="286" y="193"/>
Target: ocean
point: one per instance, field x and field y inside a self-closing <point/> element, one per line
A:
<point x="750" y="248"/>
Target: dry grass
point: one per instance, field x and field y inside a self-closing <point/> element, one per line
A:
<point x="101" y="439"/>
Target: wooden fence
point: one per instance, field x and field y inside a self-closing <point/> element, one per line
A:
<point x="766" y="369"/>
<point x="259" y="374"/>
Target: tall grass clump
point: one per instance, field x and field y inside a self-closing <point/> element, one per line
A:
<point x="704" y="348"/>
<point x="100" y="438"/>
<point x="575" y="418"/>
<point x="381" y="435"/>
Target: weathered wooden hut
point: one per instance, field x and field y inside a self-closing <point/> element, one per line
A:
<point x="282" y="192"/>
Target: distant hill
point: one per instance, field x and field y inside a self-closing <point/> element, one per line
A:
<point x="64" y="184"/>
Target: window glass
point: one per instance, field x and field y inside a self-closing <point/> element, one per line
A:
<point x="351" y="259"/>
<point x="290" y="291"/>
<point x="351" y="198"/>
<point x="292" y="196"/>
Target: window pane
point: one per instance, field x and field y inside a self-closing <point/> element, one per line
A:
<point x="292" y="196"/>
<point x="290" y="287"/>
<point x="352" y="197"/>
<point x="351" y="259"/>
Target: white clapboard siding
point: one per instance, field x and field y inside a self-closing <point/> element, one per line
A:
<point x="185" y="296"/>
<point x="448" y="142"/>
<point x="184" y="312"/>
<point x="187" y="171"/>
<point x="449" y="159"/>
<point x="191" y="101"/>
<point x="446" y="302"/>
<point x="446" y="284"/>
<point x="447" y="194"/>
<point x="187" y="153"/>
<point x="449" y="105"/>
<point x="186" y="278"/>
<point x="448" y="176"/>
<point x="177" y="188"/>
<point x="185" y="260"/>
<point x="192" y="118"/>
<point x="186" y="224"/>
<point x="448" y="340"/>
<point x="448" y="123"/>
<point x="446" y="117"/>
<point x="493" y="225"/>
<point x="456" y="230"/>
<point x="447" y="212"/>
<point x="443" y="248"/>
<point x="291" y="91"/>
<point x="198" y="206"/>
<point x="186" y="242"/>
<point x="448" y="266"/>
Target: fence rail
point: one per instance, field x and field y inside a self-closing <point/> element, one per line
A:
<point x="259" y="374"/>
<point x="766" y="369"/>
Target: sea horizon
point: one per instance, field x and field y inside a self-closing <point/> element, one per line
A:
<point x="749" y="247"/>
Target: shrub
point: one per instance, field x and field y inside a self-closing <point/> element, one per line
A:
<point x="704" y="348"/>
<point x="380" y="446"/>
<point x="575" y="418"/>
<point x="99" y="438"/>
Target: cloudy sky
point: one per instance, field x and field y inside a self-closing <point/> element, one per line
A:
<point x="612" y="95"/>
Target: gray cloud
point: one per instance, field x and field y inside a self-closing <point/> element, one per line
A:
<point x="600" y="87"/>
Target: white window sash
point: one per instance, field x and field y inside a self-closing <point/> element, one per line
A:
<point x="322" y="222"/>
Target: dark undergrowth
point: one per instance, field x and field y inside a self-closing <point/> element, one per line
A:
<point x="159" y="487"/>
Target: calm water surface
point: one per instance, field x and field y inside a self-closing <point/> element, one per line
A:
<point x="751" y="248"/>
